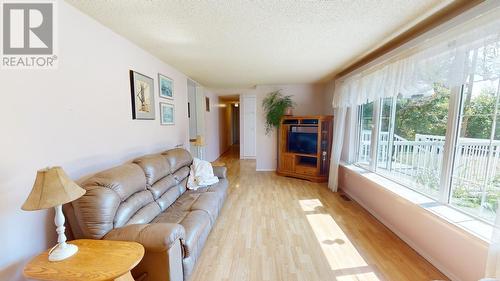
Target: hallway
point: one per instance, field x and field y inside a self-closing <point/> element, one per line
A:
<point x="278" y="228"/>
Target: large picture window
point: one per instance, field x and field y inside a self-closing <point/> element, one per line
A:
<point x="475" y="184"/>
<point x="441" y="142"/>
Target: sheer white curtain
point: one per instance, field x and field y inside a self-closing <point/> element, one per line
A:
<point x="444" y="60"/>
<point x="344" y="129"/>
<point x="338" y="140"/>
<point x="464" y="53"/>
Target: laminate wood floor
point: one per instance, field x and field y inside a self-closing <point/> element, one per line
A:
<point x="278" y="228"/>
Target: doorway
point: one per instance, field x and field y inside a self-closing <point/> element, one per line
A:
<point x="249" y="120"/>
<point x="235" y="120"/>
<point x="196" y="121"/>
<point x="229" y="122"/>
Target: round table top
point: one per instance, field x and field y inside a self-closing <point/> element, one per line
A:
<point x="95" y="260"/>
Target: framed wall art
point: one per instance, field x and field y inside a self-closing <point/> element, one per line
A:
<point x="166" y="87"/>
<point x="142" y="94"/>
<point x="167" y="113"/>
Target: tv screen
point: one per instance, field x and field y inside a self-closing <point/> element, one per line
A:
<point x="299" y="142"/>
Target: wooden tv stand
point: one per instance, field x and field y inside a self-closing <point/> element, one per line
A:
<point x="309" y="165"/>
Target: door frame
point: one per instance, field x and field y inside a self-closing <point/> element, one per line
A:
<point x="244" y="126"/>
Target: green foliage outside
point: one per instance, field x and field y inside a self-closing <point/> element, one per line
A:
<point x="422" y="115"/>
<point x="428" y="115"/>
<point x="479" y="116"/>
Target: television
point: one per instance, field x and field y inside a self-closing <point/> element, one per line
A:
<point x="302" y="142"/>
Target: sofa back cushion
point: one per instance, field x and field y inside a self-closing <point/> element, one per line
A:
<point x="166" y="174"/>
<point x="160" y="182"/>
<point x="114" y="198"/>
<point x="178" y="158"/>
<point x="155" y="166"/>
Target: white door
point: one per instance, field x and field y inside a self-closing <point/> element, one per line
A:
<point x="249" y="122"/>
<point x="196" y="113"/>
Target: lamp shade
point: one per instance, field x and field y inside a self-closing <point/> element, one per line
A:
<point x="52" y="187"/>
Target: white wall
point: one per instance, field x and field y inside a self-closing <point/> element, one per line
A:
<point x="310" y="101"/>
<point x="191" y="88"/>
<point x="454" y="251"/>
<point x="212" y="129"/>
<point x="329" y="89"/>
<point x="79" y="117"/>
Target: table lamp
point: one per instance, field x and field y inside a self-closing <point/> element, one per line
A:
<point x="52" y="188"/>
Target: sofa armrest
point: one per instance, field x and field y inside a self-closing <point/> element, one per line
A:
<point x="220" y="172"/>
<point x="155" y="237"/>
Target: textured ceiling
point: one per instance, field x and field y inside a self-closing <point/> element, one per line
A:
<point x="225" y="44"/>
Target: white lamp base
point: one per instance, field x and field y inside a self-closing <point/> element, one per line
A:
<point x="62" y="251"/>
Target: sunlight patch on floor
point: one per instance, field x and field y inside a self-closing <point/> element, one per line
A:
<point x="342" y="256"/>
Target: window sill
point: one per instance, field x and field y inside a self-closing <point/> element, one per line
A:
<point x="470" y="224"/>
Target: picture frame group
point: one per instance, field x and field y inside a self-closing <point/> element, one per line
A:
<point x="143" y="99"/>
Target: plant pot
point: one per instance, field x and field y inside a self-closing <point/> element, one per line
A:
<point x="289" y="111"/>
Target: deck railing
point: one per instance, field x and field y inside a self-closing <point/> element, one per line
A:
<point x="476" y="163"/>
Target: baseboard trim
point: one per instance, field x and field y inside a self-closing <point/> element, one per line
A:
<point x="405" y="238"/>
<point x="265" y="170"/>
<point x="247" y="158"/>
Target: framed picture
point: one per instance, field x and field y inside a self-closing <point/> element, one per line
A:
<point x="207" y="104"/>
<point x="167" y="113"/>
<point x="142" y="93"/>
<point x="166" y="86"/>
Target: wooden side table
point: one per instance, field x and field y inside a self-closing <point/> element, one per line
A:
<point x="96" y="260"/>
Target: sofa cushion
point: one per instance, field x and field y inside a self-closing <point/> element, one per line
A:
<point x="178" y="158"/>
<point x="196" y="224"/>
<point x="203" y="201"/>
<point x="208" y="202"/>
<point x="163" y="185"/>
<point x="189" y="261"/>
<point x="95" y="211"/>
<point x="146" y="214"/>
<point x="181" y="174"/>
<point x="155" y="166"/>
<point x="219" y="189"/>
<point x="125" y="180"/>
<point x="169" y="197"/>
<point x="98" y="209"/>
<point x="130" y="206"/>
<point x="160" y="187"/>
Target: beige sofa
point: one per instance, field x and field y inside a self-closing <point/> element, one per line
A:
<point x="147" y="201"/>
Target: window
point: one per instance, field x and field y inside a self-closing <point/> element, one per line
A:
<point x="365" y="125"/>
<point x="411" y="139"/>
<point x="414" y="134"/>
<point x="475" y="184"/>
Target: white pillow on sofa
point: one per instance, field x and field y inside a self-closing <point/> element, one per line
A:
<point x="201" y="174"/>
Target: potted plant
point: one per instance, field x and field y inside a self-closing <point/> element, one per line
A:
<point x="276" y="105"/>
